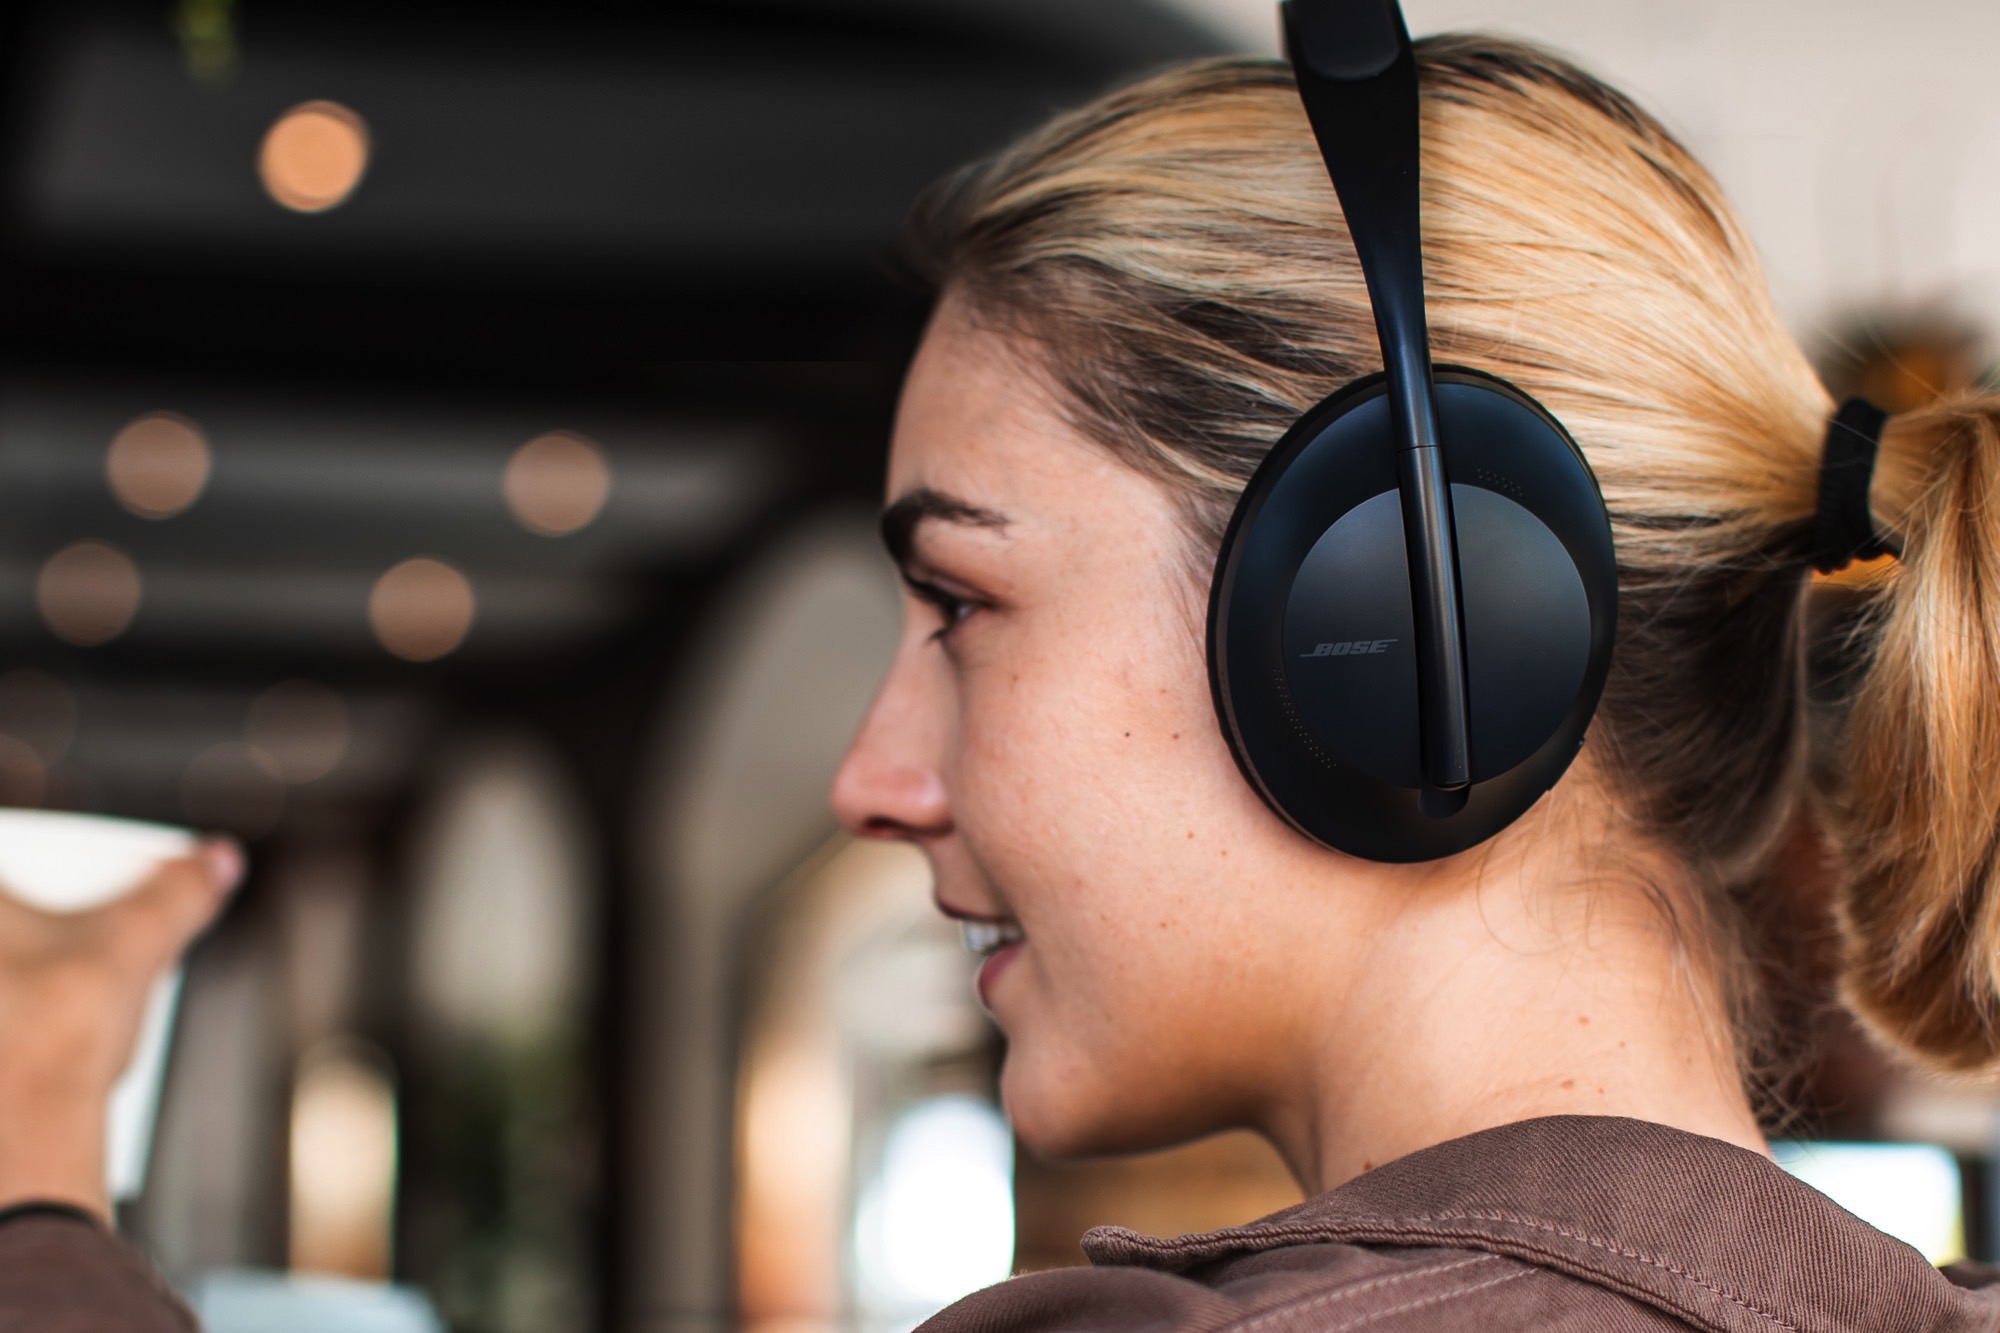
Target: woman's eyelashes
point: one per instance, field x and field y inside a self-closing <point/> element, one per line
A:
<point x="951" y="607"/>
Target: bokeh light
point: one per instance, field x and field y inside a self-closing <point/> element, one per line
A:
<point x="421" y="609"/>
<point x="557" y="483"/>
<point x="88" y="593"/>
<point x="158" y="465"/>
<point x="298" y="730"/>
<point x="24" y="778"/>
<point x="37" y="708"/>
<point x="343" y="1168"/>
<point x="226" y="787"/>
<point x="314" y="156"/>
<point x="938" y="1222"/>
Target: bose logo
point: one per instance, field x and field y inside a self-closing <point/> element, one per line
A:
<point x="1353" y="649"/>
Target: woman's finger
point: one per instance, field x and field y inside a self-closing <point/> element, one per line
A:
<point x="162" y="917"/>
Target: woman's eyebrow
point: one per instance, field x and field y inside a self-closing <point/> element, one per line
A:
<point x="901" y="519"/>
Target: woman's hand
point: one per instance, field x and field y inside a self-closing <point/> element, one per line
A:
<point x="73" y="990"/>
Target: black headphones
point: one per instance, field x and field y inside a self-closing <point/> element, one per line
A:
<point x="1413" y="610"/>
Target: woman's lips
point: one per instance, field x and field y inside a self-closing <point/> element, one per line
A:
<point x="989" y="972"/>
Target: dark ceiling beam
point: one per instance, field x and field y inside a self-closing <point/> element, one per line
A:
<point x="579" y="210"/>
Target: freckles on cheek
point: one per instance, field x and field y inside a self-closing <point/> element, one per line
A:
<point x="1016" y="738"/>
<point x="1085" y="709"/>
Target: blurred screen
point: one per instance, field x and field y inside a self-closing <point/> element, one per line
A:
<point x="1913" y="1191"/>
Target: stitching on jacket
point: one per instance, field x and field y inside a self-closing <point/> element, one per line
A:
<point x="1596" y="1243"/>
<point x="1354" y="1289"/>
<point x="1438" y="1299"/>
<point x="1338" y="1228"/>
<point x="1345" y="1223"/>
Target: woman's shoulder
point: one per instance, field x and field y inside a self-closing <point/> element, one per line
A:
<point x="60" y="1269"/>
<point x="1294" y="1288"/>
<point x="1565" y="1222"/>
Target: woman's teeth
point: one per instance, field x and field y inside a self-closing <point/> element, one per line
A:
<point x="984" y="937"/>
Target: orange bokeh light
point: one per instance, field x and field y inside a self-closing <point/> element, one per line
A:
<point x="557" y="483"/>
<point x="299" y="730"/>
<point x="158" y="465"/>
<point x="314" y="156"/>
<point x="88" y="593"/>
<point x="225" y="787"/>
<point x="421" y="609"/>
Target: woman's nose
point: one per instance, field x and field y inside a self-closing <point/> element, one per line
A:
<point x="888" y="785"/>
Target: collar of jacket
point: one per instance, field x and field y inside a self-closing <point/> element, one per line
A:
<point x="1696" y="1227"/>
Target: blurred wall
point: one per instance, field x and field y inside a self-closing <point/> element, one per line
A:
<point x="748" y="746"/>
<point x="1860" y="141"/>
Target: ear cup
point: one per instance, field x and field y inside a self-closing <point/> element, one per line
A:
<point x="1310" y="644"/>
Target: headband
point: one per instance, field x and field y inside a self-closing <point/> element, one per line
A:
<point x="1843" y="530"/>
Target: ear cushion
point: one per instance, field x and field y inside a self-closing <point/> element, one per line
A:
<point x="1310" y="649"/>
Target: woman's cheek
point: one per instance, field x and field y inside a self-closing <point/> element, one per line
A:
<point x="1005" y="701"/>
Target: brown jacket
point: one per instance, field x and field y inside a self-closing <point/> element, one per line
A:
<point x="1584" y="1223"/>
<point x="60" y="1272"/>
<point x="1577" y="1223"/>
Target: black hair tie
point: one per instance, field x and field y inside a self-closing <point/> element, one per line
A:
<point x="1843" y="530"/>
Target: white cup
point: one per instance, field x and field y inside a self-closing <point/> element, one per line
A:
<point x="246" y="1301"/>
<point x="63" y="862"/>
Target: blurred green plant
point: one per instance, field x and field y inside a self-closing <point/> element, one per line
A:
<point x="207" y="33"/>
<point x="499" y="1204"/>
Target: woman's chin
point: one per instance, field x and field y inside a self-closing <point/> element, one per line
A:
<point x="1063" y="1113"/>
<point x="1069" y="1107"/>
<point x="1051" y="1114"/>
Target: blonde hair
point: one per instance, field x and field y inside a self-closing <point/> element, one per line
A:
<point x="1177" y="252"/>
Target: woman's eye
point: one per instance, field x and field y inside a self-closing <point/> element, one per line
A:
<point x="951" y="608"/>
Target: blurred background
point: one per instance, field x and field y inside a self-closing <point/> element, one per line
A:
<point x="439" y="443"/>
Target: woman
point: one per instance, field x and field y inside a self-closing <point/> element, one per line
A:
<point x="1555" y="1042"/>
<point x="1522" y="1083"/>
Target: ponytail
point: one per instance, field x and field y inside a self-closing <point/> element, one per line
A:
<point x="1917" y="812"/>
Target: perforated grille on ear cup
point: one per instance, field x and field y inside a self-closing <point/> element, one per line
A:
<point x="1298" y="723"/>
<point x="1494" y="481"/>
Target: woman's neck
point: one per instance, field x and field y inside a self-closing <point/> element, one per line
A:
<point x="1527" y="994"/>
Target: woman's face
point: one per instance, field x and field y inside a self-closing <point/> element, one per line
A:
<point x="1045" y="735"/>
